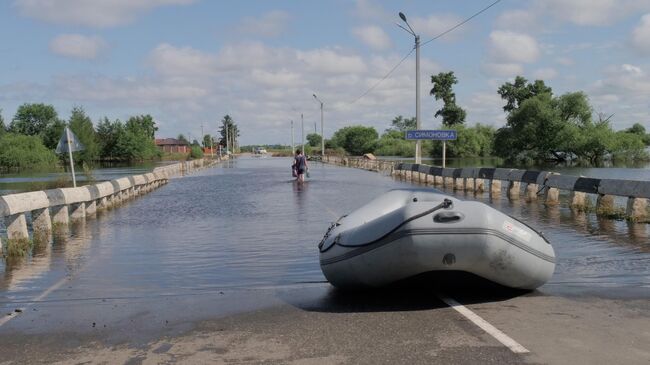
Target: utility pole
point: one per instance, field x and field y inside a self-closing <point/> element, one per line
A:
<point x="322" y="134"/>
<point x="302" y="133"/>
<point x="418" y="147"/>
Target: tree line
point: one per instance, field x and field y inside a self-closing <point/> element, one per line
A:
<point x="539" y="127"/>
<point x="29" y="140"/>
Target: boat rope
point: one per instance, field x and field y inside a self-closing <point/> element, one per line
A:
<point x="444" y="205"/>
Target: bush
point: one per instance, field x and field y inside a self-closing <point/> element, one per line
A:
<point x="196" y="152"/>
<point x="25" y="152"/>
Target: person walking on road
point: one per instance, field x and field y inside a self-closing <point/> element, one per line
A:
<point x="300" y="164"/>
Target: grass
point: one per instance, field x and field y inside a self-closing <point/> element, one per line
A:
<point x="18" y="247"/>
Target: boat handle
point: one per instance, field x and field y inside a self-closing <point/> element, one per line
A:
<point x="447" y="217"/>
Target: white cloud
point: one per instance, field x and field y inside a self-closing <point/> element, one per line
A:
<point x="518" y="20"/>
<point x="623" y="91"/>
<point x="185" y="85"/>
<point x="503" y="69"/>
<point x="271" y="24"/>
<point x="546" y="73"/>
<point x="329" y="61"/>
<point x="435" y="24"/>
<point x="95" y="13"/>
<point x="373" y="36"/>
<point x="590" y="12"/>
<point x="185" y="61"/>
<point x="564" y="61"/>
<point x="78" y="46"/>
<point x="511" y="47"/>
<point x="485" y="107"/>
<point x="367" y="9"/>
<point x="641" y="35"/>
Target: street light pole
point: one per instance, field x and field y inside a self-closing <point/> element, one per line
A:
<point x="418" y="147"/>
<point x="322" y="134"/>
<point x="302" y="134"/>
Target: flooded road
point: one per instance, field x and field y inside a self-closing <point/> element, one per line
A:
<point x="249" y="225"/>
<point x="243" y="236"/>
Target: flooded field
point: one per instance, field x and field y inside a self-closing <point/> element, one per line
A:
<point x="248" y="225"/>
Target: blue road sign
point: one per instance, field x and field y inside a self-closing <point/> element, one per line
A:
<point x="438" y="135"/>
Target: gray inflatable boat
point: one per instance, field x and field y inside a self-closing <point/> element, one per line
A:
<point x="404" y="233"/>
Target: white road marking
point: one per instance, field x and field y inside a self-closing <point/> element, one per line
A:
<point x="513" y="345"/>
<point x="47" y="292"/>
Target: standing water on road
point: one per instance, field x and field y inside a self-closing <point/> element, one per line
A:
<point x="247" y="224"/>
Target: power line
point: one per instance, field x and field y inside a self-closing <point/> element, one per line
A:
<point x="383" y="78"/>
<point x="461" y="23"/>
<point x="430" y="40"/>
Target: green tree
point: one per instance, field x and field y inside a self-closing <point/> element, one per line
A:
<point x="181" y="137"/>
<point x="52" y="133"/>
<point x="134" y="141"/>
<point x="83" y="128"/>
<point x="108" y="133"/>
<point x="474" y="141"/>
<point x="3" y="128"/>
<point x="356" y="140"/>
<point x="196" y="151"/>
<point x="515" y="93"/>
<point x="393" y="143"/>
<point x="314" y="139"/>
<point x="19" y="151"/>
<point x="228" y="124"/>
<point x="637" y="128"/>
<point x="399" y="123"/>
<point x="207" y="141"/>
<point x="32" y="119"/>
<point x="451" y="113"/>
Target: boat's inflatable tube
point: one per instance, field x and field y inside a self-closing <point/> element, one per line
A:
<point x="404" y="233"/>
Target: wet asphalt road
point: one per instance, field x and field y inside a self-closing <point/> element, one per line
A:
<point x="98" y="299"/>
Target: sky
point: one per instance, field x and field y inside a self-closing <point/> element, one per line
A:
<point x="190" y="62"/>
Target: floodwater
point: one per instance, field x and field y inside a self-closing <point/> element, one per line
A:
<point x="17" y="182"/>
<point x="246" y="224"/>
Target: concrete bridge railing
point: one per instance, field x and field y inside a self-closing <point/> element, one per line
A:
<point x="361" y="163"/>
<point x="59" y="207"/>
<point x="537" y="183"/>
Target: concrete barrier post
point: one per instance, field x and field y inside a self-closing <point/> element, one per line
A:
<point x="16" y="226"/>
<point x="514" y="188"/>
<point x="448" y="182"/>
<point x="91" y="207"/>
<point x="605" y="204"/>
<point x="459" y="183"/>
<point x="469" y="184"/>
<point x="437" y="180"/>
<point x="637" y="208"/>
<point x="429" y="179"/>
<point x="531" y="191"/>
<point x="41" y="220"/>
<point x="552" y="196"/>
<point x="60" y="215"/>
<point x="102" y="203"/>
<point x="495" y="187"/>
<point x="479" y="185"/>
<point x="77" y="211"/>
<point x="577" y="200"/>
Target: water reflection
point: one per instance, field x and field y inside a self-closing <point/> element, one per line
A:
<point x="250" y="225"/>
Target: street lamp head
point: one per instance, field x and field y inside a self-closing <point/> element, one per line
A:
<point x="401" y="15"/>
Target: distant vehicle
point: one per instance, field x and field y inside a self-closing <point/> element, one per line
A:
<point x="260" y="151"/>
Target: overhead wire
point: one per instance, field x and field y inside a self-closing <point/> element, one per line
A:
<point x="461" y="23"/>
<point x="430" y="40"/>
